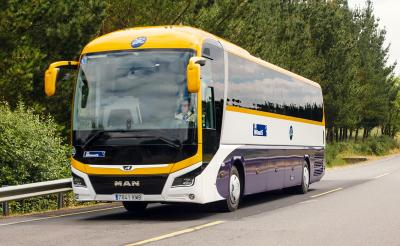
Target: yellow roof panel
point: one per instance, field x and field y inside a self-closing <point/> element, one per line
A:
<point x="171" y="37"/>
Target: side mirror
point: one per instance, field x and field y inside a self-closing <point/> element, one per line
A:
<point x="193" y="73"/>
<point x="50" y="77"/>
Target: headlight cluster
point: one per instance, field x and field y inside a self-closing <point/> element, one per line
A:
<point x="187" y="179"/>
<point x="78" y="181"/>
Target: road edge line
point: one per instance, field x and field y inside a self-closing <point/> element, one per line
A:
<point x="328" y="192"/>
<point x="58" y="216"/>
<point x="176" y="233"/>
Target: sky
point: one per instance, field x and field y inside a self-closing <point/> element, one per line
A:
<point x="388" y="13"/>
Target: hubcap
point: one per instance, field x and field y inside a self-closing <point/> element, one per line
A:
<point x="306" y="176"/>
<point x="234" y="188"/>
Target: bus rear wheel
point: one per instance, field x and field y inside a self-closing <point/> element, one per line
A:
<point x="305" y="180"/>
<point x="135" y="207"/>
<point x="235" y="192"/>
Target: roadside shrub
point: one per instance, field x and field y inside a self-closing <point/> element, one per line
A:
<point x="331" y="152"/>
<point x="376" y="145"/>
<point x="372" y="146"/>
<point x="30" y="148"/>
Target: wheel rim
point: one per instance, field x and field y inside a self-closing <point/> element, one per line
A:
<point x="306" y="176"/>
<point x="234" y="189"/>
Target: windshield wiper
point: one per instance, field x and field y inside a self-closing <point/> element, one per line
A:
<point x="100" y="133"/>
<point x="165" y="140"/>
<point x="92" y="138"/>
<point x="170" y="143"/>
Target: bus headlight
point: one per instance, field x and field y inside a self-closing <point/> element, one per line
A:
<point x="78" y="181"/>
<point x="187" y="179"/>
<point x="183" y="182"/>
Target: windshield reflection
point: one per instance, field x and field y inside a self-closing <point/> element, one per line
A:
<point x="134" y="90"/>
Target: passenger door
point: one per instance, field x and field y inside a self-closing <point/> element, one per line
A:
<point x="212" y="88"/>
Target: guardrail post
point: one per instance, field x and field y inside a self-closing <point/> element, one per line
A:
<point x="4" y="205"/>
<point x="60" y="200"/>
<point x="6" y="209"/>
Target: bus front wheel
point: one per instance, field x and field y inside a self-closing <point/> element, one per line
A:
<point x="235" y="192"/>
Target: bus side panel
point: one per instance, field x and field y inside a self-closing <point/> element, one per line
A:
<point x="248" y="128"/>
<point x="268" y="167"/>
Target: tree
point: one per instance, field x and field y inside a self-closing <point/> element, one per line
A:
<point x="36" y="33"/>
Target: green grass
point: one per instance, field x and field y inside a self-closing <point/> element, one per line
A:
<point x="373" y="146"/>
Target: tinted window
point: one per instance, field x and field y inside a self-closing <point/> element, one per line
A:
<point x="254" y="86"/>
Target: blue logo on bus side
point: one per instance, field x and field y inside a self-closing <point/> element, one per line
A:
<point x="137" y="42"/>
<point x="260" y="130"/>
<point x="94" y="154"/>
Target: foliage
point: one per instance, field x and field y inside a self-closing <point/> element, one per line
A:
<point x="31" y="149"/>
<point x="325" y="41"/>
<point x="36" y="33"/>
<point x="372" y="146"/>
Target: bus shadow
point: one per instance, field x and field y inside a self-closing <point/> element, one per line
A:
<point x="184" y="212"/>
<point x="162" y="212"/>
<point x="269" y="197"/>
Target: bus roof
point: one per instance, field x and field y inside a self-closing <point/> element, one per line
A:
<point x="173" y="36"/>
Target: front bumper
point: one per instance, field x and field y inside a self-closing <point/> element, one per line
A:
<point x="201" y="192"/>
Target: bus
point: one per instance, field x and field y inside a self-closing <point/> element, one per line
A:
<point x="173" y="114"/>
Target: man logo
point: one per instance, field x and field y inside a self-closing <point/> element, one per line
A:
<point x="126" y="183"/>
<point x="127" y="168"/>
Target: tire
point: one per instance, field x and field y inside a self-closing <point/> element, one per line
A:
<point x="235" y="192"/>
<point x="135" y="207"/>
<point x="305" y="180"/>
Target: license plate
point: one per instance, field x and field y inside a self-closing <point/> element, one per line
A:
<point x="129" y="197"/>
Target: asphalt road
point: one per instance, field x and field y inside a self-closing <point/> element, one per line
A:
<point x="355" y="205"/>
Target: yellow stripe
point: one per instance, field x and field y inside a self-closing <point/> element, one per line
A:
<point x="170" y="168"/>
<point x="325" y="193"/>
<point x="177" y="233"/>
<point x="272" y="115"/>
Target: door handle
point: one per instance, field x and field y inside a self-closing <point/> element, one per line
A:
<point x="276" y="170"/>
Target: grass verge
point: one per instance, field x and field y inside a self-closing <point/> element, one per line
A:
<point x="344" y="153"/>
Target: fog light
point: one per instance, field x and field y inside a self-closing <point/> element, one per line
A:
<point x="78" y="181"/>
<point x="192" y="196"/>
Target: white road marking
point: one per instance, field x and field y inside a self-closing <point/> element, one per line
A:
<point x="380" y="176"/>
<point x="308" y="201"/>
<point x="325" y="193"/>
<point x="177" y="233"/>
<point x="58" y="216"/>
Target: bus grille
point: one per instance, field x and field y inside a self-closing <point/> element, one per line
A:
<point x="148" y="185"/>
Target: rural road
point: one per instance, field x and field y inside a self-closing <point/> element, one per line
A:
<point x="355" y="205"/>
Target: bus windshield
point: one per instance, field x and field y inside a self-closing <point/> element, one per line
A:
<point x="134" y="90"/>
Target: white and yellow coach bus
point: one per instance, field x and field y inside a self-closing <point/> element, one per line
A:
<point x="175" y="114"/>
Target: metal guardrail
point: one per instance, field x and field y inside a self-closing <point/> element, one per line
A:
<point x="20" y="192"/>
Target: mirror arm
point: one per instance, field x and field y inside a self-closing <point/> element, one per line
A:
<point x="71" y="64"/>
<point x="199" y="60"/>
